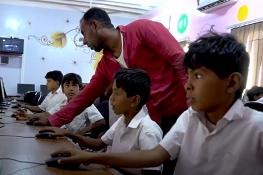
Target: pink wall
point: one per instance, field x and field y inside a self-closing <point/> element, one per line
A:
<point x="200" y="22"/>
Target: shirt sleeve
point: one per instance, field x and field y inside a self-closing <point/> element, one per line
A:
<point x="43" y="105"/>
<point x="99" y="82"/>
<point x="149" y="139"/>
<point x="107" y="138"/>
<point x="93" y="114"/>
<point x="172" y="141"/>
<point x="54" y="109"/>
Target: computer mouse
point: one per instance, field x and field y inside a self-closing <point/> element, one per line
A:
<point x="45" y="135"/>
<point x="53" y="162"/>
<point x="15" y="106"/>
<point x="50" y="131"/>
<point x="31" y="121"/>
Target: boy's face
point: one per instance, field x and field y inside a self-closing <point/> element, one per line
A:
<point x="119" y="100"/>
<point x="205" y="91"/>
<point x="52" y="85"/>
<point x="70" y="89"/>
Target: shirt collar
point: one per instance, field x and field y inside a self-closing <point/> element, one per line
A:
<point x="59" y="90"/>
<point x="234" y="113"/>
<point x="134" y="123"/>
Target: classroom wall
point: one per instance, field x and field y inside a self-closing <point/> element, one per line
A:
<point x="198" y="23"/>
<point x="38" y="59"/>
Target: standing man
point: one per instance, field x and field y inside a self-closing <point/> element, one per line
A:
<point x="141" y="44"/>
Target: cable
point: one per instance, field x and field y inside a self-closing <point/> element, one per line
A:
<point x="12" y="123"/>
<point x="2" y="124"/>
<point x="19" y="170"/>
<point x="21" y="161"/>
<point x="16" y="136"/>
<point x="36" y="164"/>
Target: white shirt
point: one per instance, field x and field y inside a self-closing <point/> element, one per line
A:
<point x="260" y="100"/>
<point x="142" y="133"/>
<point x="235" y="146"/>
<point x="52" y="99"/>
<point x="89" y="116"/>
<point x="121" y="59"/>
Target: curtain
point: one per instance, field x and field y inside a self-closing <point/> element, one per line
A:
<point x="252" y="37"/>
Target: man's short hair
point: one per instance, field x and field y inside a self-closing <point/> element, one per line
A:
<point x="98" y="15"/>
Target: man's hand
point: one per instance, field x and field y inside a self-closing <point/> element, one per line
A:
<point x="58" y="132"/>
<point x="39" y="121"/>
<point x="72" y="156"/>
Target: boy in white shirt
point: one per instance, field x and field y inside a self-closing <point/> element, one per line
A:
<point x="134" y="130"/>
<point x="90" y="119"/>
<point x="217" y="135"/>
<point x="55" y="95"/>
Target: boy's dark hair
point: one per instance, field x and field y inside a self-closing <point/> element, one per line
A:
<point x="55" y="75"/>
<point x="74" y="78"/>
<point x="254" y="91"/>
<point x="98" y="15"/>
<point x="134" y="82"/>
<point x="222" y="54"/>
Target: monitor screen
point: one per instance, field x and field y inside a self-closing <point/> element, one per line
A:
<point x="11" y="45"/>
<point x="43" y="90"/>
<point x="23" y="88"/>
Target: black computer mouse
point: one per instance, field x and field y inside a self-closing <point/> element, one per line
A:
<point x="31" y="121"/>
<point x="53" y="162"/>
<point x="45" y="135"/>
<point x="15" y="106"/>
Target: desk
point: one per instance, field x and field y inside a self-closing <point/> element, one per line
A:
<point x="17" y="142"/>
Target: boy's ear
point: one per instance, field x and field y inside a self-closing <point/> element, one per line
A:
<point x="234" y="82"/>
<point x="135" y="100"/>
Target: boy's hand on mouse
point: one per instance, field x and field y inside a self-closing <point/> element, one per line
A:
<point x="72" y="156"/>
<point x="59" y="132"/>
<point x="39" y="121"/>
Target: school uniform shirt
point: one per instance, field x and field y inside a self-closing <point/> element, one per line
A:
<point x="147" y="45"/>
<point x="142" y="133"/>
<point x="89" y="116"/>
<point x="235" y="146"/>
<point x="52" y="99"/>
<point x="260" y="100"/>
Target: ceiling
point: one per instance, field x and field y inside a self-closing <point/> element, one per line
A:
<point x="135" y="8"/>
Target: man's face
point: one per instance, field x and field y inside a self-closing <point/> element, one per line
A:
<point x="70" y="89"/>
<point x="90" y="34"/>
<point x="52" y="85"/>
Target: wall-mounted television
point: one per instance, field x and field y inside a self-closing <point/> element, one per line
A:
<point x="11" y="46"/>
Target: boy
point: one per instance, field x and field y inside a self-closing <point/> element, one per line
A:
<point x="217" y="134"/>
<point x="55" y="95"/>
<point x="134" y="130"/>
<point x="90" y="119"/>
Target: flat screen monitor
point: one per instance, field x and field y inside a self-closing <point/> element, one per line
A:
<point x="23" y="88"/>
<point x="43" y="89"/>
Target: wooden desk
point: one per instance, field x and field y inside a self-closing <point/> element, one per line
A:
<point x="31" y="150"/>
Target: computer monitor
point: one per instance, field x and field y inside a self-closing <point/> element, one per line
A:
<point x="43" y="89"/>
<point x="23" y="88"/>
